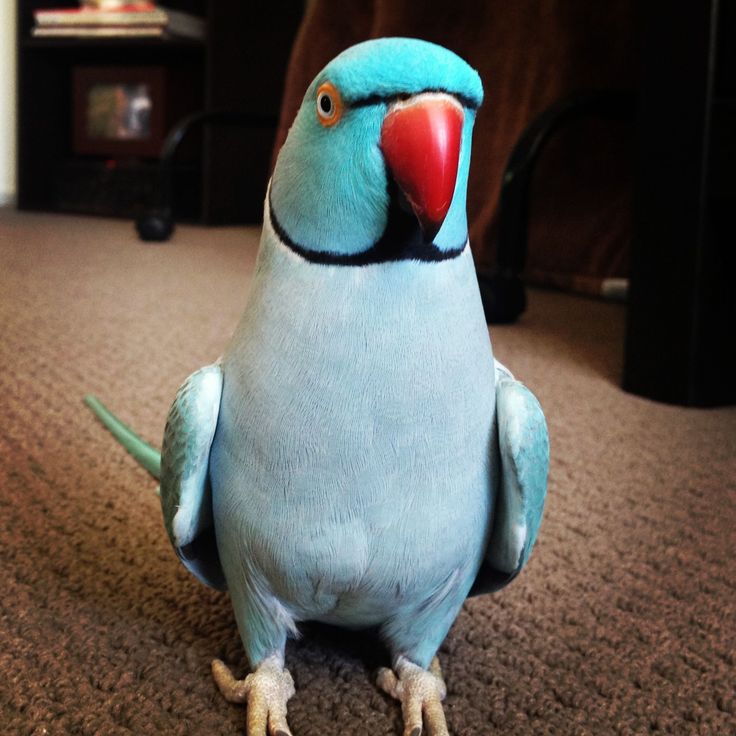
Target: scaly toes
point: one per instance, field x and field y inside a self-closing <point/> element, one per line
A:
<point x="266" y="692"/>
<point x="421" y="693"/>
<point x="234" y="691"/>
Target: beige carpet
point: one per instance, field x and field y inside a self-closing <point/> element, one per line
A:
<point x="623" y="623"/>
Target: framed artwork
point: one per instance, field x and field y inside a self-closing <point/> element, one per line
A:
<point x="119" y="111"/>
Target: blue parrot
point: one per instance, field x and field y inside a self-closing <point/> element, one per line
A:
<point x="356" y="456"/>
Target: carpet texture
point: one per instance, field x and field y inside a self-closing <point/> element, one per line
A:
<point x="623" y="622"/>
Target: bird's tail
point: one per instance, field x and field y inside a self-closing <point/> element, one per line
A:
<point x="148" y="457"/>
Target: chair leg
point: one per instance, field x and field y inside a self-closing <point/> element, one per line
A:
<point x="502" y="291"/>
<point x="157" y="223"/>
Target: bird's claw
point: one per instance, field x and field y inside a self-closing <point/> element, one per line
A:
<point x="421" y="693"/>
<point x="266" y="692"/>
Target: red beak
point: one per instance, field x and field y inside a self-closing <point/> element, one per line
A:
<point x="420" y="140"/>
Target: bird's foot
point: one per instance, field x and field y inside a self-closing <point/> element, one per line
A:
<point x="266" y="692"/>
<point x="421" y="693"/>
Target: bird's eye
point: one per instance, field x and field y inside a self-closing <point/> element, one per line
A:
<point x="326" y="106"/>
<point x="329" y="104"/>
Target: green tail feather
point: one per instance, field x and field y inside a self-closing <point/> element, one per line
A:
<point x="147" y="456"/>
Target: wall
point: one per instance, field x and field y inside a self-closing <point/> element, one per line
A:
<point x="7" y="100"/>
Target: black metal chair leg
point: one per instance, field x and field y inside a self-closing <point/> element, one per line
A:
<point x="157" y="224"/>
<point x="502" y="291"/>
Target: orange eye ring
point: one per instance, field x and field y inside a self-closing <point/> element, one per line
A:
<point x="329" y="104"/>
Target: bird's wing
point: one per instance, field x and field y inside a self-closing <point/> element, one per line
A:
<point x="523" y="446"/>
<point x="186" y="496"/>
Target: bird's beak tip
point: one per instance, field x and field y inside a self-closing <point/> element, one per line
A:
<point x="420" y="140"/>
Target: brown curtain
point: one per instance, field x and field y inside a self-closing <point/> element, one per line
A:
<point x="530" y="54"/>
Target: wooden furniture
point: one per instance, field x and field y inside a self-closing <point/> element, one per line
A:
<point x="682" y="299"/>
<point x="222" y="172"/>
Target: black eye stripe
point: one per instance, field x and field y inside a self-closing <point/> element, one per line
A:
<point x="465" y="101"/>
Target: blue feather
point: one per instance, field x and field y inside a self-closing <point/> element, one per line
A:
<point x="369" y="463"/>
<point x="386" y="67"/>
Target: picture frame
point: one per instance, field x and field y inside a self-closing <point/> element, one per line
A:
<point x="119" y="111"/>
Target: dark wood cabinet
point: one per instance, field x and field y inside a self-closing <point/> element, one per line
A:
<point x="682" y="301"/>
<point x="221" y="171"/>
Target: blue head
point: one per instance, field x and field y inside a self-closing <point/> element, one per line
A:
<point x="376" y="164"/>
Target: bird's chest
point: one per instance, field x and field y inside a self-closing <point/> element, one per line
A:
<point x="355" y="435"/>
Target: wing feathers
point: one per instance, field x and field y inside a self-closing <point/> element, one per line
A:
<point x="523" y="449"/>
<point x="186" y="497"/>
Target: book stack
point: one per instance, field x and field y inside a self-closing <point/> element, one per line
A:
<point x="115" y="19"/>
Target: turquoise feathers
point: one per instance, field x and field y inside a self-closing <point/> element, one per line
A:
<point x="362" y="465"/>
<point x="356" y="456"/>
<point x="329" y="188"/>
<point x="394" y="67"/>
